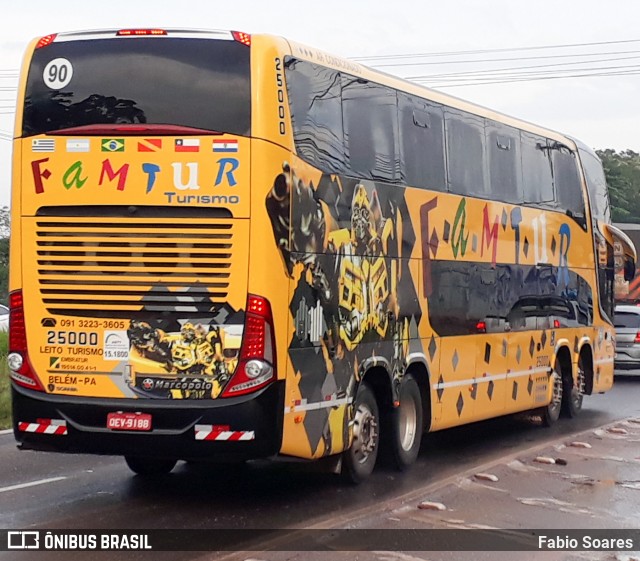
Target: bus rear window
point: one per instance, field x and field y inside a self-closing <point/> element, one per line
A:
<point x="199" y="83"/>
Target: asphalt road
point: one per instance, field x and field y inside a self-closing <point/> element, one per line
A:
<point x="45" y="491"/>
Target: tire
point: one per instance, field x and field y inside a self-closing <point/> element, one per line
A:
<point x="551" y="413"/>
<point x="150" y="466"/>
<point x="360" y="459"/>
<point x="572" y="394"/>
<point x="406" y="430"/>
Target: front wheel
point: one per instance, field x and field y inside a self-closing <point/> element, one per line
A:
<point x="360" y="459"/>
<point x="406" y="428"/>
<point x="150" y="466"/>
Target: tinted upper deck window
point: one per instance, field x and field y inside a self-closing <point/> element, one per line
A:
<point x="505" y="168"/>
<point x="596" y="185"/>
<point x="567" y="180"/>
<point x="536" y="171"/>
<point x="421" y="142"/>
<point x="315" y="99"/>
<point x="465" y="153"/>
<point x="370" y="117"/>
<point x="200" y="83"/>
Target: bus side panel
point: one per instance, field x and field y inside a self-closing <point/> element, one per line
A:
<point x="352" y="296"/>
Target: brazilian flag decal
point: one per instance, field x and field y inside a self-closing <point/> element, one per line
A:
<point x="113" y="145"/>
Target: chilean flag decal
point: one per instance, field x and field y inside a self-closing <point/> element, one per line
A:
<point x="187" y="145"/>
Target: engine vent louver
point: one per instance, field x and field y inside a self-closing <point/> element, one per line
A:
<point x="133" y="267"/>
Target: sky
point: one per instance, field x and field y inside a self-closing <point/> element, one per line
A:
<point x="603" y="111"/>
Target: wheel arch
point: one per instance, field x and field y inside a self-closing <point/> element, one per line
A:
<point x="564" y="358"/>
<point x="376" y="372"/>
<point x="586" y="357"/>
<point x="420" y="371"/>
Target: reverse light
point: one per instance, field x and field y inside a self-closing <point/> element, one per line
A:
<point x="256" y="364"/>
<point x="17" y="359"/>
<point x="46" y="40"/>
<point x="140" y="32"/>
<point x="240" y="37"/>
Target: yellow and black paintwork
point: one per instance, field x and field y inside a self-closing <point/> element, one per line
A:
<point x="359" y="274"/>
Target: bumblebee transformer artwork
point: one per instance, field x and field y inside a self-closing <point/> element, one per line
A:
<point x="353" y="296"/>
<point x="193" y="364"/>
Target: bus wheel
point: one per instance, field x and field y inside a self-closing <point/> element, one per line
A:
<point x="573" y="393"/>
<point x="360" y="459"/>
<point x="150" y="466"/>
<point x="407" y="424"/>
<point x="551" y="412"/>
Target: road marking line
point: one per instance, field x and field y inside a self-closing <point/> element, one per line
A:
<point x="6" y="431"/>
<point x="30" y="484"/>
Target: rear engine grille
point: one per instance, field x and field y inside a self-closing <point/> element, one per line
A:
<point x="133" y="268"/>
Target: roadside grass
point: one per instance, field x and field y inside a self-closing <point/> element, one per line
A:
<point x="5" y="393"/>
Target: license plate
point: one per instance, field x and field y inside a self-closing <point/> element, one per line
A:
<point x="129" y="421"/>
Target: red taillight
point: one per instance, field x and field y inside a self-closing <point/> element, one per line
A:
<point x="244" y="38"/>
<point x="140" y="32"/>
<point x="257" y="362"/>
<point x="46" y="40"/>
<point x="637" y="339"/>
<point x="481" y="327"/>
<point x="556" y="323"/>
<point x="17" y="331"/>
<point x="22" y="374"/>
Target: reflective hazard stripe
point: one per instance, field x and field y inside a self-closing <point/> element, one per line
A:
<point x="485" y="379"/>
<point x="304" y="405"/>
<point x="208" y="432"/>
<point x="45" y="426"/>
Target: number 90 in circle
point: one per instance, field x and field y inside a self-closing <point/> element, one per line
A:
<point x="57" y="73"/>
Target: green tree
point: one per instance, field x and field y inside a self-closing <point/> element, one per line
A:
<point x="622" y="170"/>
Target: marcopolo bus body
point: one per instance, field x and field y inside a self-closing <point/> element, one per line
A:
<point x="228" y="247"/>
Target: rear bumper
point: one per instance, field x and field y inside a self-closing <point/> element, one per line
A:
<point x="627" y="368"/>
<point x="174" y="425"/>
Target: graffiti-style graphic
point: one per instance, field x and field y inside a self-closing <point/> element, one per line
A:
<point x="354" y="297"/>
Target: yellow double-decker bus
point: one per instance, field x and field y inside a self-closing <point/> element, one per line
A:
<point x="229" y="246"/>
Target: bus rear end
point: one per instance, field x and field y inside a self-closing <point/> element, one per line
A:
<point x="133" y="330"/>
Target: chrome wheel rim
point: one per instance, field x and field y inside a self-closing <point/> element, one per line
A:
<point x="578" y="391"/>
<point x="365" y="434"/>
<point x="408" y="419"/>
<point x="556" y="399"/>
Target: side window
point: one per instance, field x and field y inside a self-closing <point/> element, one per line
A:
<point x="567" y="180"/>
<point x="505" y="172"/>
<point x="596" y="186"/>
<point x="370" y="115"/>
<point x="316" y="111"/>
<point x="537" y="180"/>
<point x="465" y="153"/>
<point x="421" y="143"/>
